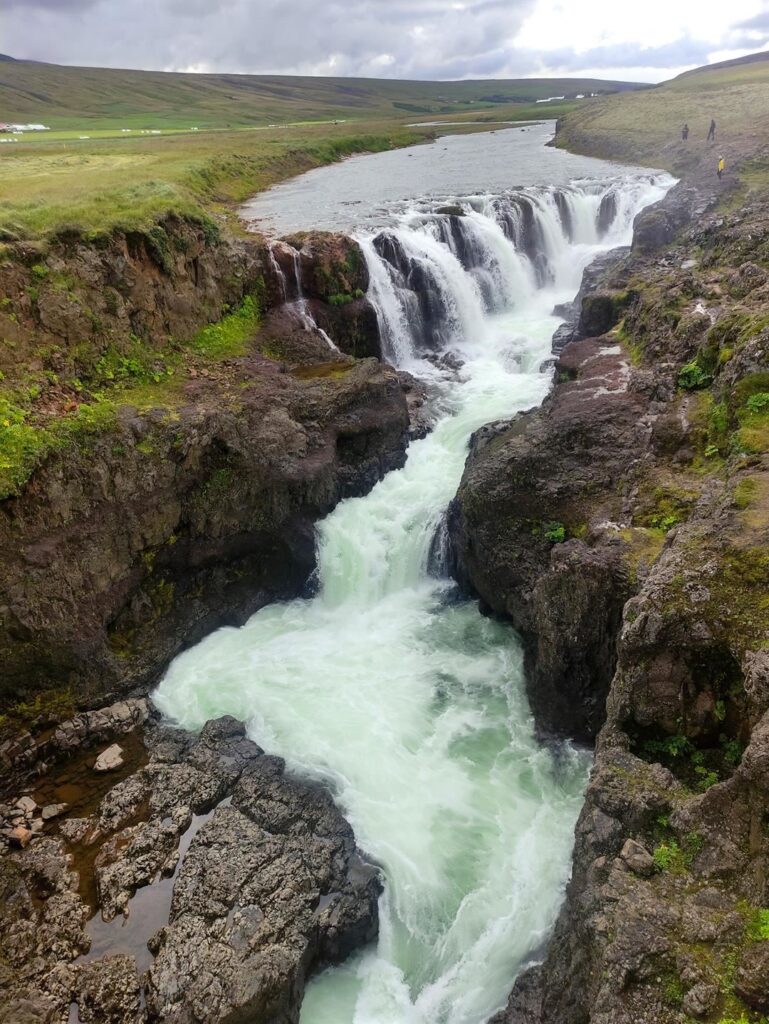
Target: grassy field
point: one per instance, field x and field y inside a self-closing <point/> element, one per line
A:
<point x="98" y="185"/>
<point x="86" y="100"/>
<point x="645" y="127"/>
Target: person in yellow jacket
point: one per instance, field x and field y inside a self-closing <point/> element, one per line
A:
<point x="721" y="167"/>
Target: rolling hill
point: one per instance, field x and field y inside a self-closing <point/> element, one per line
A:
<point x="645" y="127"/>
<point x="92" y="98"/>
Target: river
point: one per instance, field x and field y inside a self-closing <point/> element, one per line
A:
<point x="386" y="685"/>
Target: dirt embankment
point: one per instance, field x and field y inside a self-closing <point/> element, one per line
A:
<point x="624" y="529"/>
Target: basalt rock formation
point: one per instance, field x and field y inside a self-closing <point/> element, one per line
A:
<point x="187" y="502"/>
<point x="624" y="529"/>
<point x="242" y="880"/>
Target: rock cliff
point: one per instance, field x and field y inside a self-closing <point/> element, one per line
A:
<point x="156" y="487"/>
<point x="623" y="529"/>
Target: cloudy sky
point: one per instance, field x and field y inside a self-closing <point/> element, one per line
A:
<point x="646" y="40"/>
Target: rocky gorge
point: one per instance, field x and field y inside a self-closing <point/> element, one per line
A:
<point x="619" y="528"/>
<point x="162" y="478"/>
<point x="622" y="529"/>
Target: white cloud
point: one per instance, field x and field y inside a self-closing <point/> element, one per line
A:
<point x="582" y="26"/>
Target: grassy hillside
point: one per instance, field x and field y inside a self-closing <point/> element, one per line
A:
<point x="94" y="98"/>
<point x="645" y="127"/>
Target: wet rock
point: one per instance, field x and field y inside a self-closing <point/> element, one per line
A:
<point x="331" y="265"/>
<point x="525" y="489"/>
<point x="263" y="886"/>
<point x="26" y="805"/>
<point x="108" y="992"/>
<point x="601" y="311"/>
<point x="54" y="811"/>
<point x="110" y="759"/>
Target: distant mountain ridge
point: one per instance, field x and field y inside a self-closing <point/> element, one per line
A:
<point x="85" y="96"/>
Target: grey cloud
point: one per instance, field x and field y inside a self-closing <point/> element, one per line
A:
<point x="405" y="38"/>
<point x="58" y="6"/>
<point x="759" y="23"/>
<point x="386" y="38"/>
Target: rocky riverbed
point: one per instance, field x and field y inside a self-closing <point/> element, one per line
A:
<point x="239" y="879"/>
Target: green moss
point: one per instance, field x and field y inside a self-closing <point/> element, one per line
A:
<point x="757" y="928"/>
<point x="665" y="508"/>
<point x="229" y="337"/>
<point x="745" y="492"/>
<point x="24" y="445"/>
<point x="673" y="990"/>
<point x="45" y="708"/>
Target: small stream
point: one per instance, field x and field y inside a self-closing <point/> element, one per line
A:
<point x="386" y="685"/>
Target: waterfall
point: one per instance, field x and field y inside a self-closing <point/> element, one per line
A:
<point x="299" y="307"/>
<point x="436" y="274"/>
<point x="386" y="686"/>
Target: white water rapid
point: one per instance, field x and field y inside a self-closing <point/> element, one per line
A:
<point x="403" y="698"/>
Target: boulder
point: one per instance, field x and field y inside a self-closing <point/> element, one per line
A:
<point x="54" y="811"/>
<point x="637" y="858"/>
<point x="20" y="836"/>
<point x="751" y="982"/>
<point x="110" y="759"/>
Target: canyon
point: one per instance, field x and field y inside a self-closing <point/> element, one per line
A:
<point x="618" y="526"/>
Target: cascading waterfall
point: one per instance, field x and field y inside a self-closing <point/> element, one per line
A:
<point x="299" y="305"/>
<point x="406" y="701"/>
<point x="438" y="273"/>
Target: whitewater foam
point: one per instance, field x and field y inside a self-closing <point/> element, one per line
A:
<point x="406" y="701"/>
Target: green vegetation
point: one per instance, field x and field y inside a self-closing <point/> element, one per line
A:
<point x="345" y="298"/>
<point x="229" y="337"/>
<point x="677" y="859"/>
<point x="665" y="508"/>
<point x="692" y="377"/>
<point x="758" y="925"/>
<point x="142" y="377"/>
<point x="49" y="189"/>
<point x="555" y="532"/>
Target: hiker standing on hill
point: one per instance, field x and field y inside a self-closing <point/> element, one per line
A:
<point x="685" y="132"/>
<point x="721" y="167"/>
<point x="712" y="131"/>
